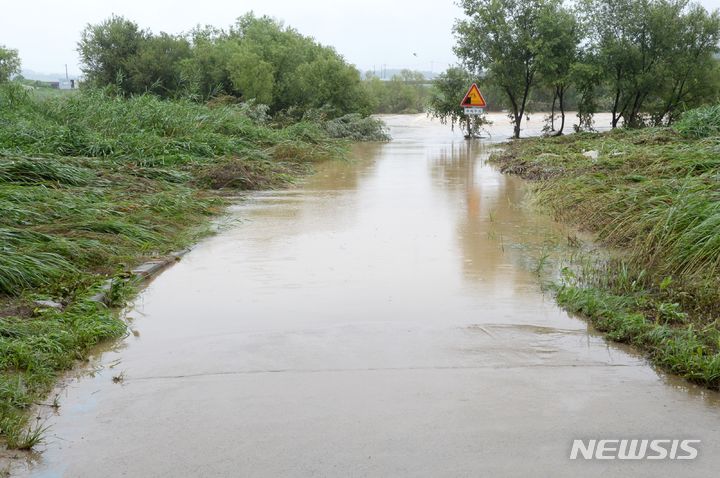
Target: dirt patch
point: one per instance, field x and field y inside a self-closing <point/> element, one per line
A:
<point x="247" y="174"/>
<point x="509" y="162"/>
<point x="20" y="310"/>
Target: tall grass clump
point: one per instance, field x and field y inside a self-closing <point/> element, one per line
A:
<point x="700" y="122"/>
<point x="92" y="184"/>
<point x="357" y="127"/>
<point x="20" y="271"/>
<point x="653" y="197"/>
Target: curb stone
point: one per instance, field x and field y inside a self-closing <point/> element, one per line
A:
<point x="143" y="272"/>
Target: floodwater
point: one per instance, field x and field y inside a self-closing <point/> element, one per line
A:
<point x="384" y="318"/>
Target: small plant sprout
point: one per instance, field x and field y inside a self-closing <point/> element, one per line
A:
<point x="119" y="378"/>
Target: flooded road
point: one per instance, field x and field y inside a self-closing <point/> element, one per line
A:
<point x="382" y="319"/>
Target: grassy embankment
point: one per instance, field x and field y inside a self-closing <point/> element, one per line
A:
<point x="92" y="185"/>
<point x="653" y="197"/>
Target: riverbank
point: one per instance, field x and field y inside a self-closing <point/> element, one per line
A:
<point x="92" y="186"/>
<point x="651" y="196"/>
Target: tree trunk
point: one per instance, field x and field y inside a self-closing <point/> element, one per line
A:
<point x="615" y="113"/>
<point x="616" y="101"/>
<point x="516" y="129"/>
<point x="552" y="110"/>
<point x="561" y="97"/>
<point x="519" y="117"/>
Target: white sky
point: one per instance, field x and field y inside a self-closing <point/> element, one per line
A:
<point x="369" y="33"/>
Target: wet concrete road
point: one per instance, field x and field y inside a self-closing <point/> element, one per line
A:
<point x="383" y="319"/>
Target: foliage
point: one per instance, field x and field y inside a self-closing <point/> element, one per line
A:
<point x="558" y="53"/>
<point x="9" y="63"/>
<point x="155" y="67"/>
<point x="257" y="58"/>
<point x="700" y="122"/>
<point x="586" y="75"/>
<point x="645" y="61"/>
<point x="404" y="93"/>
<point x="501" y="37"/>
<point x="447" y="93"/>
<point x="107" y="50"/>
<point x="656" y="56"/>
<point x="650" y="193"/>
<point x="356" y="127"/>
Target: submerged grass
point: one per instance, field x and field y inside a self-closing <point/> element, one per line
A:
<point x="653" y="196"/>
<point x="91" y="185"/>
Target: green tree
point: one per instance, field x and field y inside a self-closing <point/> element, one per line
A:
<point x="9" y="63"/>
<point x="258" y="58"/>
<point x="376" y="92"/>
<point x="406" y="92"/>
<point x="586" y="75"/>
<point x="107" y="50"/>
<point x="251" y="76"/>
<point x="501" y="38"/>
<point x="447" y="93"/>
<point x="557" y="52"/>
<point x="281" y="46"/>
<point x="655" y="55"/>
<point x="207" y="69"/>
<point x="329" y="82"/>
<point x="690" y="72"/>
<point x="156" y="66"/>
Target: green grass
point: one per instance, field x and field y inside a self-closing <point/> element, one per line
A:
<point x="681" y="347"/>
<point x="90" y="186"/>
<point x="25" y="437"/>
<point x="653" y="197"/>
<point x="700" y="123"/>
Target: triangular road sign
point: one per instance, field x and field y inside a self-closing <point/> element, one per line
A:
<point x="473" y="98"/>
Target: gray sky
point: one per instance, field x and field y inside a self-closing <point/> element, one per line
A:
<point x="367" y="32"/>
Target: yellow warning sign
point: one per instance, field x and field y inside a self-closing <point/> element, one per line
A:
<point x="473" y="98"/>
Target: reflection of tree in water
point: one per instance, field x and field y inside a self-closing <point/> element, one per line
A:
<point x="287" y="212"/>
<point x="345" y="175"/>
<point x="488" y="199"/>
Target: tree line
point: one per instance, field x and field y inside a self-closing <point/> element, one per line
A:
<point x="257" y="58"/>
<point x="403" y="93"/>
<point x="646" y="61"/>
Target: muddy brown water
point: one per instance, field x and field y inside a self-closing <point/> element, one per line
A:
<point x="384" y="318"/>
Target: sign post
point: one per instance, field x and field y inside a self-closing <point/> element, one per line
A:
<point x="474" y="103"/>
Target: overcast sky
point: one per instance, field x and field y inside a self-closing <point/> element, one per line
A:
<point x="369" y="33"/>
